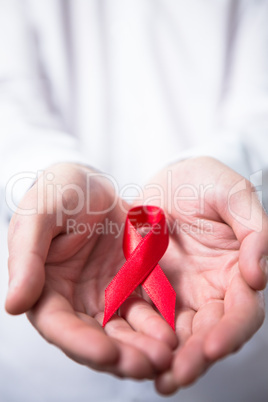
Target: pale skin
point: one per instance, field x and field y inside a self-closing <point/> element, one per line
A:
<point x="59" y="279"/>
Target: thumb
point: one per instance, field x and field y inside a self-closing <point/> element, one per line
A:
<point x="28" y="241"/>
<point x="253" y="258"/>
<point x="249" y="221"/>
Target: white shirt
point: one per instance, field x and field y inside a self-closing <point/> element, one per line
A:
<point x="128" y="86"/>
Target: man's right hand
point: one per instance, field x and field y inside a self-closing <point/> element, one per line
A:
<point x="61" y="259"/>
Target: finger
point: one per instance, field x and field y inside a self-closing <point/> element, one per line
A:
<point x="252" y="258"/>
<point x="183" y="326"/>
<point x="130" y="363"/>
<point x="143" y="318"/>
<point x="84" y="340"/>
<point x="85" y="343"/>
<point x="29" y="240"/>
<point x="190" y="360"/>
<point x="158" y="353"/>
<point x="241" y="209"/>
<point x="244" y="314"/>
<point x="165" y="383"/>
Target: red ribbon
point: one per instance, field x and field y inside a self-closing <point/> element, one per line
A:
<point x="141" y="266"/>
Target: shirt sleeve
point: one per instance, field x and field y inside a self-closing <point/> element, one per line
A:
<point x="32" y="131"/>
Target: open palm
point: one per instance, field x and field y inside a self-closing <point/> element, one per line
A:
<point x="67" y="259"/>
<point x="212" y="263"/>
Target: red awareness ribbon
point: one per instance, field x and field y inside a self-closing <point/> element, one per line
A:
<point x="141" y="266"/>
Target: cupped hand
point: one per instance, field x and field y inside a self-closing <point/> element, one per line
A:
<point x="65" y="245"/>
<point x="218" y="236"/>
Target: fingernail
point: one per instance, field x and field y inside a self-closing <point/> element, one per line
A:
<point x="264" y="265"/>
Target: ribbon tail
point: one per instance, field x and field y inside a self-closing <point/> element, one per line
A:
<point x="116" y="293"/>
<point x="162" y="294"/>
<point x="131" y="274"/>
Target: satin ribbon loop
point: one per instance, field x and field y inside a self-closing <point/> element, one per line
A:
<point x="141" y="266"/>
